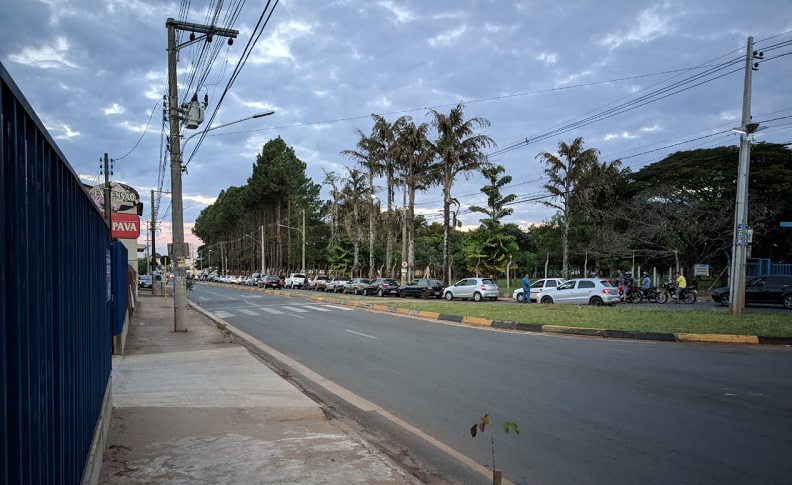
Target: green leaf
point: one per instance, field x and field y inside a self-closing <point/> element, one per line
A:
<point x="509" y="425"/>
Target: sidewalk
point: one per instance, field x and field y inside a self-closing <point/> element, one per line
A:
<point x="189" y="408"/>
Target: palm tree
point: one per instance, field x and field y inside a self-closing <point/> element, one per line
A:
<point x="369" y="155"/>
<point x="352" y="193"/>
<point x="460" y="151"/>
<point x="566" y="173"/>
<point x="415" y="151"/>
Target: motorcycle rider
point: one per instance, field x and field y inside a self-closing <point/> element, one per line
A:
<point x="628" y="284"/>
<point x="681" y="284"/>
<point x="646" y="283"/>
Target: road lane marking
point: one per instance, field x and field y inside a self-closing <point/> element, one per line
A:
<point x="271" y="310"/>
<point x="294" y="309"/>
<point x="296" y="316"/>
<point x="248" y="312"/>
<point x="318" y="308"/>
<point x="336" y="307"/>
<point x="361" y="334"/>
<point x="222" y="314"/>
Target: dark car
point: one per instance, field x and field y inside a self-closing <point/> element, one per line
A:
<point x="356" y="286"/>
<point x="422" y="288"/>
<point x="765" y="290"/>
<point x="382" y="287"/>
<point x="271" y="281"/>
<point x="144" y="281"/>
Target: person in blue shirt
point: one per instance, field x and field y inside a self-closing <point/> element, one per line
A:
<point x="526" y="282"/>
<point x="646" y="283"/>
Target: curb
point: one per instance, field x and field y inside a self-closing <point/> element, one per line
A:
<point x="553" y="329"/>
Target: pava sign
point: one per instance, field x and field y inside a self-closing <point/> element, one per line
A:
<point x="125" y="226"/>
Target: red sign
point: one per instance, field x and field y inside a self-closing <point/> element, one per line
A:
<point x="125" y="226"/>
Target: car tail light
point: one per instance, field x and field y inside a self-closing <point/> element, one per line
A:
<point x="607" y="291"/>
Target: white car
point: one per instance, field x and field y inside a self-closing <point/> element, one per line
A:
<point x="472" y="288"/>
<point x="583" y="291"/>
<point x="537" y="287"/>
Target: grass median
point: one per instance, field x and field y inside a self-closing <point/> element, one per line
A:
<point x="664" y="319"/>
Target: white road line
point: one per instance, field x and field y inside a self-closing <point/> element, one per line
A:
<point x="221" y="296"/>
<point x="361" y="334"/>
<point x="294" y="309"/>
<point x="271" y="310"/>
<point x="336" y="307"/>
<point x="222" y="314"/>
<point x="318" y="308"/>
<point x="247" y="312"/>
<point x="296" y="316"/>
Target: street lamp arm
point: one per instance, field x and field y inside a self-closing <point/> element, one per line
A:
<point x="289" y="227"/>
<point x="257" y="115"/>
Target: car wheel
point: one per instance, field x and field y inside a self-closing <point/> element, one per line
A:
<point x="356" y="291"/>
<point x="596" y="301"/>
<point x="788" y="302"/>
<point x="380" y="293"/>
<point x="477" y="296"/>
<point x="546" y="300"/>
<point x="449" y="296"/>
<point x="424" y="294"/>
<point x="402" y="294"/>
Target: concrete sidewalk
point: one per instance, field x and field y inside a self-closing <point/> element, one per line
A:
<point x="191" y="408"/>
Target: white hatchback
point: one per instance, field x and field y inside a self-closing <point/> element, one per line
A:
<point x="537" y="287"/>
<point x="472" y="288"/>
<point x="583" y="291"/>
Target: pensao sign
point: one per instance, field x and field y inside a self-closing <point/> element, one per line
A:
<point x="123" y="198"/>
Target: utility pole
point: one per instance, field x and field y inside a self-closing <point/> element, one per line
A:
<point x="263" y="258"/>
<point x="303" y="245"/>
<point x="153" y="230"/>
<point x="179" y="263"/>
<point x="740" y="241"/>
<point x="108" y="216"/>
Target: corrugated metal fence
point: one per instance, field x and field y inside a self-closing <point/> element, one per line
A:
<point x="55" y="331"/>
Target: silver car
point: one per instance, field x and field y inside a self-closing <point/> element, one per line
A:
<point x="583" y="291"/>
<point x="538" y="287"/>
<point x="472" y="288"/>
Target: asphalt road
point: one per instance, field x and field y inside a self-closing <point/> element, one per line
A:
<point x="593" y="411"/>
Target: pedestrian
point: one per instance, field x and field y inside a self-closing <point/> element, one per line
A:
<point x="526" y="282"/>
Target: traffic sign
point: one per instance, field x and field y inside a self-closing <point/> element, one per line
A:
<point x="786" y="224"/>
<point x="404" y="264"/>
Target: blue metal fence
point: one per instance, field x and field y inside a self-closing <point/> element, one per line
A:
<point x="765" y="267"/>
<point x="120" y="287"/>
<point x="55" y="331"/>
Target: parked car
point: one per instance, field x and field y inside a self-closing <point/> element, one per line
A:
<point x="475" y="288"/>
<point x="765" y="290"/>
<point x="233" y="279"/>
<point x="382" y="287"/>
<point x="145" y="281"/>
<point x="537" y="287"/>
<point x="295" y="280"/>
<point x="356" y="285"/>
<point x="318" y="283"/>
<point x="335" y="284"/>
<point x="271" y="281"/>
<point x="583" y="291"/>
<point x="422" y="288"/>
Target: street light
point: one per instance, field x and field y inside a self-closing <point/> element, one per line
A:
<point x="302" y="231"/>
<point x="262" y="251"/>
<point x="180" y="282"/>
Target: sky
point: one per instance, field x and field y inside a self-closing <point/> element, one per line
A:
<point x="637" y="80"/>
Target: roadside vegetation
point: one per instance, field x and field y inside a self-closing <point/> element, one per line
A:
<point x="664" y="319"/>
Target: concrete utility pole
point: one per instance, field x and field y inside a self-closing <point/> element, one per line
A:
<point x="303" y="243"/>
<point x="180" y="283"/>
<point x="152" y="265"/>
<point x="108" y="216"/>
<point x="740" y="241"/>
<point x="263" y="258"/>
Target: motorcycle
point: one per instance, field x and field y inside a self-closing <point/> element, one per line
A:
<point x="688" y="294"/>
<point x="638" y="295"/>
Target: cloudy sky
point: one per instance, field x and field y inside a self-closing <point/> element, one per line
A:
<point x="637" y="80"/>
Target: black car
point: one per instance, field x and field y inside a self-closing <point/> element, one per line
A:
<point x="422" y="288"/>
<point x="765" y="290"/>
<point x="144" y="281"/>
<point x="271" y="281"/>
<point x="382" y="287"/>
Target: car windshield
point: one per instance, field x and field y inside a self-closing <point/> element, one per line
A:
<point x="486" y="281"/>
<point x="606" y="283"/>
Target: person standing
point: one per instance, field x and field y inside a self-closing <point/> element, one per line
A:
<point x="526" y="282"/>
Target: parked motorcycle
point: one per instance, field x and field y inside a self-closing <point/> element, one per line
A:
<point x="688" y="294"/>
